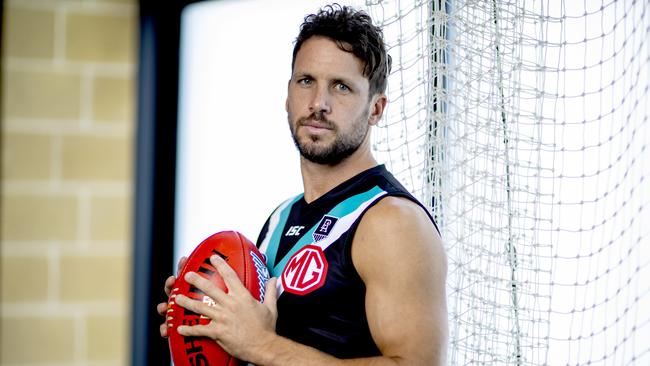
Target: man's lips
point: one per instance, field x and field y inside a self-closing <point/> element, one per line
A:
<point x="315" y="124"/>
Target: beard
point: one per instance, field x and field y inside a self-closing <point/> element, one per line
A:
<point x="344" y="144"/>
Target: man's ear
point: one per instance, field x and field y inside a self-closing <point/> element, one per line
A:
<point x="377" y="107"/>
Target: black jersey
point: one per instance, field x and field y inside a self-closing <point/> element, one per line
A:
<point x="308" y="247"/>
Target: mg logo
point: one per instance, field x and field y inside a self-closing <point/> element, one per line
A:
<point x="305" y="271"/>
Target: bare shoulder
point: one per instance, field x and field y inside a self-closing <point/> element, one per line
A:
<point x="397" y="228"/>
<point x="397" y="213"/>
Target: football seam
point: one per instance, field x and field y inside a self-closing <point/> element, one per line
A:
<point x="247" y="283"/>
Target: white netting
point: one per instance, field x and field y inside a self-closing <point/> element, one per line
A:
<point x="527" y="123"/>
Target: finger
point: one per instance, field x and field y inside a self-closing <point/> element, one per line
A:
<point x="271" y="297"/>
<point x="194" y="305"/>
<point x="198" y="331"/>
<point x="211" y="311"/>
<point x="169" y="284"/>
<point x="233" y="283"/>
<point x="271" y="291"/>
<point x="181" y="264"/>
<point x="163" y="330"/>
<point x="207" y="286"/>
<point x="204" y="306"/>
<point x="162" y="308"/>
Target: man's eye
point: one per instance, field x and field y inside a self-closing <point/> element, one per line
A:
<point x="342" y="87"/>
<point x="304" y="81"/>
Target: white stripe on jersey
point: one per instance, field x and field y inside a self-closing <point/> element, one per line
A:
<point x="273" y="222"/>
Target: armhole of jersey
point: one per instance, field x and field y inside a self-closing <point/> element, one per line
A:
<point x="353" y="229"/>
<point x="263" y="233"/>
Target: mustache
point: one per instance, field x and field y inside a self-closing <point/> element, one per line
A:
<point x="318" y="117"/>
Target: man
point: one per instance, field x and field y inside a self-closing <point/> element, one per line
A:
<point x="357" y="262"/>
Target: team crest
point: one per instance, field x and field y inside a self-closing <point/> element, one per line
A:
<point x="305" y="271"/>
<point x="324" y="227"/>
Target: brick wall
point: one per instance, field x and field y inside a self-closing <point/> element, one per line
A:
<point x="67" y="133"/>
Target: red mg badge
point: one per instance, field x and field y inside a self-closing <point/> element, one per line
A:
<point x="305" y="271"/>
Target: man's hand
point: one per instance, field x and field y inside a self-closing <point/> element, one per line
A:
<point x="241" y="325"/>
<point x="169" y="284"/>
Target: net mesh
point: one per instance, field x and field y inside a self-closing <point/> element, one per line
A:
<point x="524" y="124"/>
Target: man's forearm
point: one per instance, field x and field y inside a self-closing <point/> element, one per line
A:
<point x="281" y="351"/>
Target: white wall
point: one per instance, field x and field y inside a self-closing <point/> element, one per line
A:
<point x="236" y="159"/>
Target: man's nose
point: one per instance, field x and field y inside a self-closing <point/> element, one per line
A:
<point x="320" y="101"/>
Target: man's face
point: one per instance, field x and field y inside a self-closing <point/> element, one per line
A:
<point x="327" y="105"/>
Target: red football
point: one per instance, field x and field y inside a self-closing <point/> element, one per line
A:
<point x="248" y="263"/>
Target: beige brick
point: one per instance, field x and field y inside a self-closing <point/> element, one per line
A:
<point x="110" y="217"/>
<point x="113" y="99"/>
<point x="93" y="278"/>
<point x="24" y="278"/>
<point x="135" y="2"/>
<point x="106" y="337"/>
<point x="26" y="156"/>
<point x="29" y="33"/>
<point x="27" y="217"/>
<point x="100" y="38"/>
<point x="42" y="94"/>
<point x="37" y="339"/>
<point x="96" y="158"/>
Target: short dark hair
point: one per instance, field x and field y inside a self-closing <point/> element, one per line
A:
<point x="353" y="31"/>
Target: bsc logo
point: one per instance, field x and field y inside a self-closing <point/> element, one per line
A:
<point x="305" y="271"/>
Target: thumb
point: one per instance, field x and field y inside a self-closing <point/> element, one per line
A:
<point x="271" y="297"/>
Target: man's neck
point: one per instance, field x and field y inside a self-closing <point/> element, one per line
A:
<point x="319" y="179"/>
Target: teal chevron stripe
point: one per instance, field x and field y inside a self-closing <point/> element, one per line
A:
<point x="342" y="209"/>
<point x="272" y="249"/>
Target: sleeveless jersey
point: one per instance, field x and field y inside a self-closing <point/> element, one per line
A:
<point x="308" y="247"/>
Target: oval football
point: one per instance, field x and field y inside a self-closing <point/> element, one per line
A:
<point x="244" y="258"/>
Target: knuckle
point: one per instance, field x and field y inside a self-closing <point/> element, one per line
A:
<point x="231" y="273"/>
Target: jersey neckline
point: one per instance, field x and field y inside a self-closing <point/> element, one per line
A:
<point x="351" y="182"/>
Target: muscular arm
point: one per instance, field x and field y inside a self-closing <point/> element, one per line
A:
<point x="399" y="256"/>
